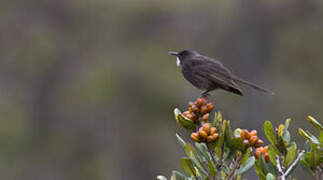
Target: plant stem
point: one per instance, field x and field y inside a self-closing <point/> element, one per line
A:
<point x="294" y="163"/>
<point x="280" y="170"/>
<point x="235" y="167"/>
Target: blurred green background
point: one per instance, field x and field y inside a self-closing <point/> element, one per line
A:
<point x="87" y="88"/>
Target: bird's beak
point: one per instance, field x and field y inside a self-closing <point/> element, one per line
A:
<point x="173" y="53"/>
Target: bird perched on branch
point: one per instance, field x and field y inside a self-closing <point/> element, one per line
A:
<point x="209" y="74"/>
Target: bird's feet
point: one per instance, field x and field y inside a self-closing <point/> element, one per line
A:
<point x="205" y="95"/>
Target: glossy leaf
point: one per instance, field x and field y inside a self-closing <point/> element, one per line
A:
<point x="202" y="148"/>
<point x="246" y="156"/>
<point x="215" y="120"/>
<point x="180" y="140"/>
<point x="237" y="144"/>
<point x="191" y="153"/>
<point x="287" y="122"/>
<point x="270" y="177"/>
<point x="292" y="167"/>
<point x="188" y="166"/>
<point x="315" y="123"/>
<point x="237" y="132"/>
<point x="183" y="121"/>
<point x="269" y="132"/>
<point x="306" y="167"/>
<point x="272" y="153"/>
<point x="250" y="162"/>
<point x="228" y="132"/>
<point x="290" y="155"/>
<point x="161" y="178"/>
<point x="178" y="176"/>
<point x="308" y="136"/>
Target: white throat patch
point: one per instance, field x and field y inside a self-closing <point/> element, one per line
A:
<point x="178" y="62"/>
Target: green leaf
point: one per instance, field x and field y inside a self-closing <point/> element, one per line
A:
<point x="178" y="176"/>
<point x="290" y="155"/>
<point x="262" y="163"/>
<point x="315" y="123"/>
<point x="306" y="167"/>
<point x="269" y="132"/>
<point x="246" y="156"/>
<point x="215" y="120"/>
<point x="270" y="177"/>
<point x="237" y="132"/>
<point x="258" y="170"/>
<point x="191" y="153"/>
<point x="287" y="122"/>
<point x="180" y="140"/>
<point x="321" y="138"/>
<point x="308" y="136"/>
<point x="161" y="178"/>
<point x="250" y="162"/>
<point x="188" y="166"/>
<point x="237" y="144"/>
<point x="211" y="168"/>
<point x="228" y="132"/>
<point x="272" y="153"/>
<point x="183" y="121"/>
<point x="202" y="148"/>
<point x="286" y="137"/>
<point x="292" y="167"/>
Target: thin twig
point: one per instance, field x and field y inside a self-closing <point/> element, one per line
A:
<point x="280" y="170"/>
<point x="235" y="167"/>
<point x="294" y="163"/>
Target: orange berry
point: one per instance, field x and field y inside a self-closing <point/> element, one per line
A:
<point x="195" y="108"/>
<point x="190" y="104"/>
<point x="210" y="107"/>
<point x="257" y="154"/>
<point x="253" y="133"/>
<point x="213" y="130"/>
<point x="206" y="117"/>
<point x="207" y="128"/>
<point x="199" y="102"/>
<point x="215" y="135"/>
<point x="203" y="109"/>
<point x="259" y="149"/>
<point x="244" y="134"/>
<point x="195" y="137"/>
<point x="259" y="143"/>
<point x="210" y="139"/>
<point x="202" y="134"/>
<point x="194" y="117"/>
<point x="253" y="140"/>
<point x="265" y="150"/>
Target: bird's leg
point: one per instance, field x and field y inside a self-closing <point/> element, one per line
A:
<point x="205" y="94"/>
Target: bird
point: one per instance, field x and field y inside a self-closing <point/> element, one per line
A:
<point x="209" y="74"/>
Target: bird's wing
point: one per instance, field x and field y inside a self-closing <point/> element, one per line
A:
<point x="211" y="67"/>
<point x="215" y="71"/>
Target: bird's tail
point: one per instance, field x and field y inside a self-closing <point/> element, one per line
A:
<point x="259" y="88"/>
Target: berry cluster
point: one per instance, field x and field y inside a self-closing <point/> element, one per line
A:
<point x="264" y="151"/>
<point x="251" y="139"/>
<point x="200" y="109"/>
<point x="206" y="133"/>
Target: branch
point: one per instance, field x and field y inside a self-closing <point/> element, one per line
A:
<point x="280" y="170"/>
<point x="294" y="163"/>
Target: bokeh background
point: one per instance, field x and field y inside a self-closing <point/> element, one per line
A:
<point x="87" y="88"/>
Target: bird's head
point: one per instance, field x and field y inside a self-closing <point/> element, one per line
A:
<point x="183" y="55"/>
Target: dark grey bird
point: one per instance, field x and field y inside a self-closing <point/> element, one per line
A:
<point x="209" y="74"/>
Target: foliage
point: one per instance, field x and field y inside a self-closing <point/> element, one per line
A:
<point x="218" y="153"/>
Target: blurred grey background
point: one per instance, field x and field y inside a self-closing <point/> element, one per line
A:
<point x="87" y="88"/>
